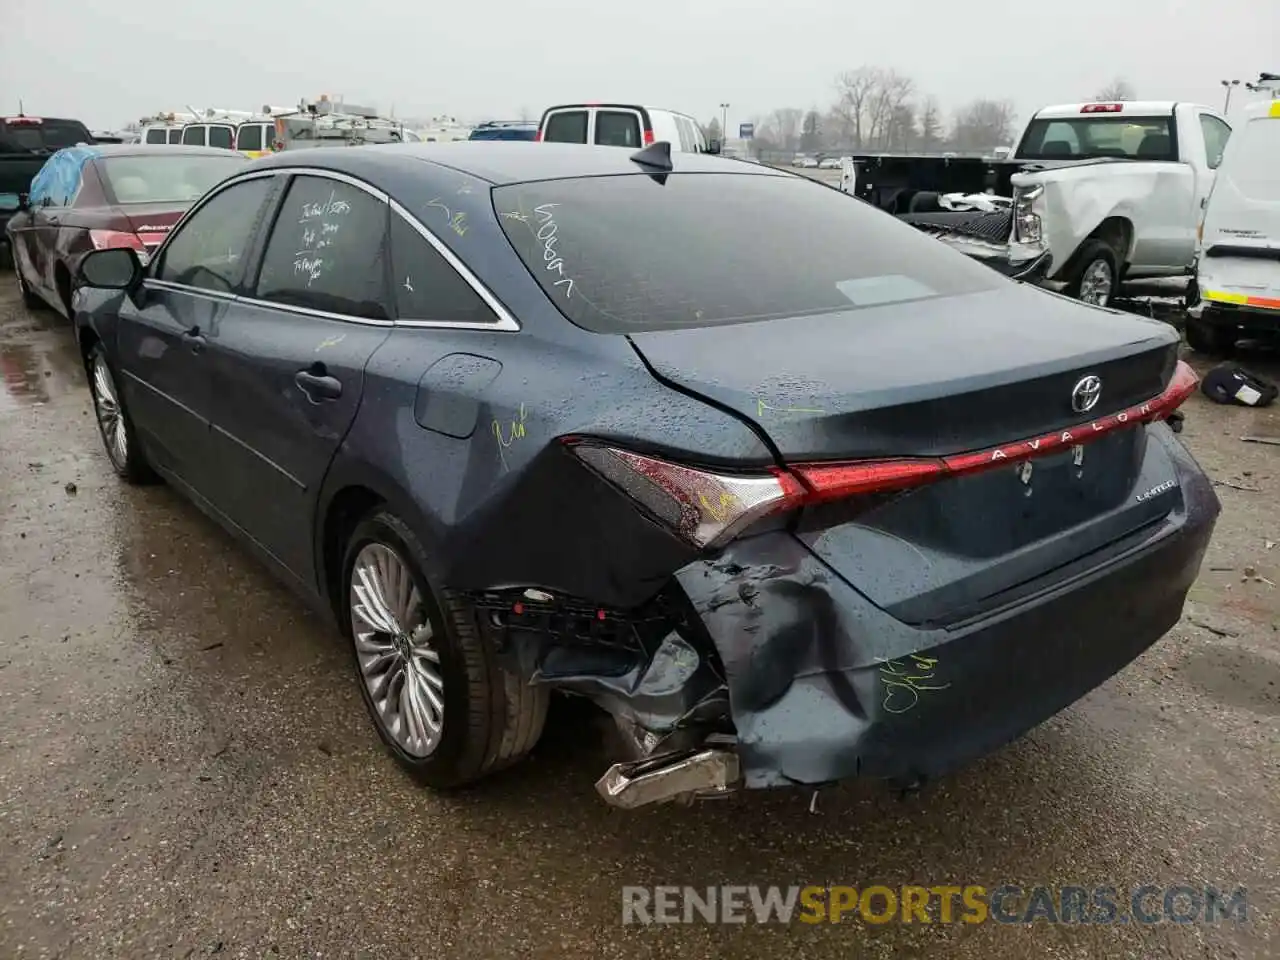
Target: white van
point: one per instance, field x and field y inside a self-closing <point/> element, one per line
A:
<point x="1238" y="267"/>
<point x="210" y="134"/>
<point x="623" y="125"/>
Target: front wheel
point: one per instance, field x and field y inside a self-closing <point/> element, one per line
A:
<point x="115" y="426"/>
<point x="1096" y="275"/>
<point x="427" y="664"/>
<point x="29" y="299"/>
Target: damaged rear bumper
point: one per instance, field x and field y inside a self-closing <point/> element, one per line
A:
<point x="825" y="686"/>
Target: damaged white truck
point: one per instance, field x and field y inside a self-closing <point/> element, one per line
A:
<point x="1101" y="194"/>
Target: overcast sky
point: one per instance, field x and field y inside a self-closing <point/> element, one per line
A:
<point x="111" y="62"/>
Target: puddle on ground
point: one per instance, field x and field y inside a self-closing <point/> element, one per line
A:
<point x="37" y="363"/>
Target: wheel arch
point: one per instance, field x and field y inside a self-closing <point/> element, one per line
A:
<point x="352" y="489"/>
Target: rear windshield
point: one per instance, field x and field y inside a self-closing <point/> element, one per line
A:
<point x="193" y="136"/>
<point x="249" y="137"/>
<point x="156" y="135"/>
<point x="624" y="254"/>
<point x="48" y="135"/>
<point x="615" y="128"/>
<point x="221" y="137"/>
<point x="1253" y="161"/>
<point x="566" y="126"/>
<point x="1093" y="137"/>
<point x="168" y="177"/>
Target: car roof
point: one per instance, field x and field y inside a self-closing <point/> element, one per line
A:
<point x="500" y="161"/>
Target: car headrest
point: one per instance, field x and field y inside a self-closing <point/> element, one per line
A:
<point x="1056" y="148"/>
<point x="1154" y="145"/>
<point x="129" y="188"/>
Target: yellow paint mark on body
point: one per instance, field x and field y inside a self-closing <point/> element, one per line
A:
<point x="508" y="434"/>
<point x="720" y="511"/>
<point x="761" y="407"/>
<point x="905" y="679"/>
<point x="331" y="341"/>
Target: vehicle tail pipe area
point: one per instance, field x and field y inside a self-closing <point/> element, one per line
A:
<point x="704" y="774"/>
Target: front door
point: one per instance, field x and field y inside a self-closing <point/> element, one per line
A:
<point x="289" y="361"/>
<point x="161" y="341"/>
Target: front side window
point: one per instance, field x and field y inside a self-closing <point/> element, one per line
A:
<point x="617" y="128"/>
<point x="328" y="251"/>
<point x="1216" y="134"/>
<point x="566" y="126"/>
<point x="626" y="253"/>
<point x="426" y="286"/>
<point x="209" y="250"/>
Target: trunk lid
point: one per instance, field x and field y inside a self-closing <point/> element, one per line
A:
<point x="943" y="377"/>
<point x="151" y="221"/>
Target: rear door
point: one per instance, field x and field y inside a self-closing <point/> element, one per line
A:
<point x="162" y="335"/>
<point x="195" y="135"/>
<point x="288" y="360"/>
<point x="222" y="135"/>
<point x="618" y="127"/>
<point x="568" y="125"/>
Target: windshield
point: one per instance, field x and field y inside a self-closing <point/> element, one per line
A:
<point x="1094" y="137"/>
<point x="623" y="254"/>
<point x="167" y="178"/>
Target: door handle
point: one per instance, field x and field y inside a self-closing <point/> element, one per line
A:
<point x="195" y="338"/>
<point x="317" y="384"/>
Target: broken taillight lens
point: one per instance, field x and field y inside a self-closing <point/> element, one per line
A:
<point x="708" y="509"/>
<point x="705" y="508"/>
<point x="113" y="239"/>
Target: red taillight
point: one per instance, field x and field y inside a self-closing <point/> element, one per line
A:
<point x="1102" y="108"/>
<point x="648" y="137"/>
<point x="537" y="137"/>
<point x="708" y="509"/>
<point x="115" y="239"/>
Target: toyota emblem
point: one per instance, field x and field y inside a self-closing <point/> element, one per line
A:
<point x="1086" y="394"/>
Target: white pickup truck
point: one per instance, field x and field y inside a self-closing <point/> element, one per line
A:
<point x="1101" y="193"/>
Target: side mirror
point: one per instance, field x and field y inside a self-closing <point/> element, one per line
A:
<point x="116" y="268"/>
<point x="713" y="146"/>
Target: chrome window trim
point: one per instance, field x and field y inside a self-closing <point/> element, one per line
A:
<point x="505" y="322"/>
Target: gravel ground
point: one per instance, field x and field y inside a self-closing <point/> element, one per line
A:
<point x="186" y="768"/>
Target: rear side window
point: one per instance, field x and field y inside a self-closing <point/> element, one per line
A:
<point x="328" y="251"/>
<point x="566" y="126"/>
<point x="221" y="137"/>
<point x="249" y="137"/>
<point x="156" y="136"/>
<point x="1253" y="160"/>
<point x="193" y="136"/>
<point x="426" y="287"/>
<point x="627" y="253"/>
<point x="209" y="249"/>
<point x="617" y="128"/>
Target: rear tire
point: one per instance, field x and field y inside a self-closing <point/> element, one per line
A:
<point x="465" y="717"/>
<point x="1209" y="338"/>
<point x="1095" y="277"/>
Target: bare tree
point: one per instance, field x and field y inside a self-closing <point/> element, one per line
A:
<point x="711" y="130"/>
<point x="889" y="97"/>
<point x="1117" y="89"/>
<point x="983" y="125"/>
<point x="811" y="132"/>
<point x="855" y="90"/>
<point x="785" y="123"/>
<point x="931" y="133"/>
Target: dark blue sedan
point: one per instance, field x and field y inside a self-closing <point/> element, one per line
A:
<point x="791" y="491"/>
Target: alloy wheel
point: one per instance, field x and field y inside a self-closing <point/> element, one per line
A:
<point x="394" y="641"/>
<point x="106" y="403"/>
<point x="1095" y="284"/>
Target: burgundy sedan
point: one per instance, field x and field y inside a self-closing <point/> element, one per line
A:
<point x="105" y="195"/>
